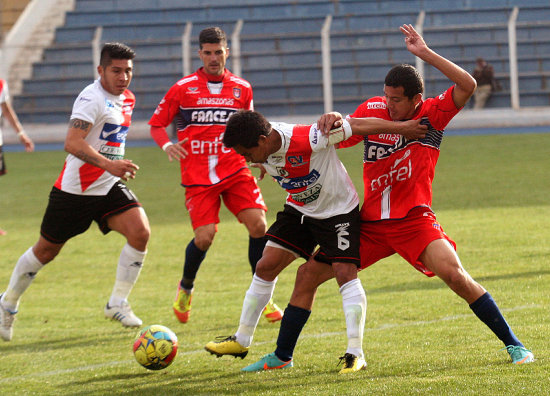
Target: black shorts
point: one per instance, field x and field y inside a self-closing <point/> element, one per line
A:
<point x="2" y="162"/>
<point x="68" y="215"/>
<point x="337" y="237"/>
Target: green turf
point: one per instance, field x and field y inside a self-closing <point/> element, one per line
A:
<point x="490" y="193"/>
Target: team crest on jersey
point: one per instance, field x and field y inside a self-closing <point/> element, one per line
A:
<point x="237" y="93"/>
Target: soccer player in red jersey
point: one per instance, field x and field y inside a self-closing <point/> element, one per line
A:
<point x="396" y="213"/>
<point x="201" y="103"/>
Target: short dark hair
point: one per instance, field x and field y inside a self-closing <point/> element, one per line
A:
<point x="244" y="128"/>
<point x="112" y="51"/>
<point x="212" y="35"/>
<point x="405" y="76"/>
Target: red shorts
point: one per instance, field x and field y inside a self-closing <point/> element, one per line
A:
<point x="238" y="192"/>
<point x="407" y="237"/>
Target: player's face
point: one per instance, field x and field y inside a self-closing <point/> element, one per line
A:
<point x="256" y="155"/>
<point x="400" y="107"/>
<point x="116" y="77"/>
<point x="213" y="57"/>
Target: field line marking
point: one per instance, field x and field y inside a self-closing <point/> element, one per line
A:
<point x="319" y="335"/>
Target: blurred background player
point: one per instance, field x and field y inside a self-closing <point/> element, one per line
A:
<point x="9" y="114"/>
<point x="89" y="189"/>
<point x="201" y="103"/>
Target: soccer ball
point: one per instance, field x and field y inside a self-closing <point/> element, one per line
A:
<point x="155" y="347"/>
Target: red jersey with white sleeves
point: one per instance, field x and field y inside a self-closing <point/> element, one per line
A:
<point x="398" y="173"/>
<point x="309" y="169"/>
<point x="202" y="104"/>
<point x="110" y="116"/>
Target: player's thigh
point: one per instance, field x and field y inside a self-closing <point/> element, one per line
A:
<point x="291" y="233"/>
<point x="203" y="205"/>
<point x="274" y="260"/>
<point x="254" y="221"/>
<point x="134" y="225"/>
<point x="441" y="258"/>
<point x="242" y="192"/>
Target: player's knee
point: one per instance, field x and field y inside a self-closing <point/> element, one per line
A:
<point x="257" y="228"/>
<point x="306" y="279"/>
<point x="139" y="237"/>
<point x="204" y="241"/>
<point x="268" y="269"/>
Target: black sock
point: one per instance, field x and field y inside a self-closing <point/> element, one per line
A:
<point x="255" y="251"/>
<point x="294" y="320"/>
<point x="193" y="259"/>
<point x="487" y="311"/>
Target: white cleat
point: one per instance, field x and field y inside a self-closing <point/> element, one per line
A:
<point x="123" y="313"/>
<point x="6" y="323"/>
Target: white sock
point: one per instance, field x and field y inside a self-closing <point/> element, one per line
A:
<point x="354" y="301"/>
<point x="129" y="266"/>
<point x="258" y="295"/>
<point x="22" y="276"/>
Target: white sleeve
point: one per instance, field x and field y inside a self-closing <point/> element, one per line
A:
<point x="87" y="107"/>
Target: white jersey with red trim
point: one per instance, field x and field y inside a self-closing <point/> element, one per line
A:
<point x="202" y="105"/>
<point x="398" y="173"/>
<point x="309" y="169"/>
<point x="4" y="97"/>
<point x="110" y="116"/>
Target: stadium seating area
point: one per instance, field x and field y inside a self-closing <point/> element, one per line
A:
<point x="281" y="49"/>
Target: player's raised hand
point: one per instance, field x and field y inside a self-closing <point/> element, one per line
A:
<point x="176" y="151"/>
<point x="414" y="41"/>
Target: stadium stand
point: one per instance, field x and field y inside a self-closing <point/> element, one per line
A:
<point x="281" y="49"/>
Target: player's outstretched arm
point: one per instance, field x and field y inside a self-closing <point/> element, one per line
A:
<point x="465" y="83"/>
<point x="76" y="145"/>
<point x="411" y="129"/>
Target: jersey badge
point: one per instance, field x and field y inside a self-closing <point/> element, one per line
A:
<point x="237" y="93"/>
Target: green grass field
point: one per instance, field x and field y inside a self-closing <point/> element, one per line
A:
<point x="490" y="193"/>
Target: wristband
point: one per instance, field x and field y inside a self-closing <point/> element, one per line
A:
<point x="21" y="132"/>
<point x="165" y="145"/>
<point x="347" y="128"/>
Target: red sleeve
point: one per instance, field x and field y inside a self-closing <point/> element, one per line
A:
<point x="167" y="108"/>
<point x="159" y="135"/>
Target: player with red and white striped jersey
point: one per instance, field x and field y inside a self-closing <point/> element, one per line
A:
<point x="201" y="104"/>
<point x="89" y="189"/>
<point x="321" y="210"/>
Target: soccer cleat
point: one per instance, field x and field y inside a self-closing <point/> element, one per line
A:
<point x="520" y="355"/>
<point x="269" y="362"/>
<point x="226" y="346"/>
<point x="272" y="312"/>
<point x="123" y="313"/>
<point x="182" y="305"/>
<point x="6" y="322"/>
<point x="352" y="363"/>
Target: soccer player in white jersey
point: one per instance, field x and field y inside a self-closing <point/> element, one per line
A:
<point x="321" y="210"/>
<point x="11" y="116"/>
<point x="89" y="189"/>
